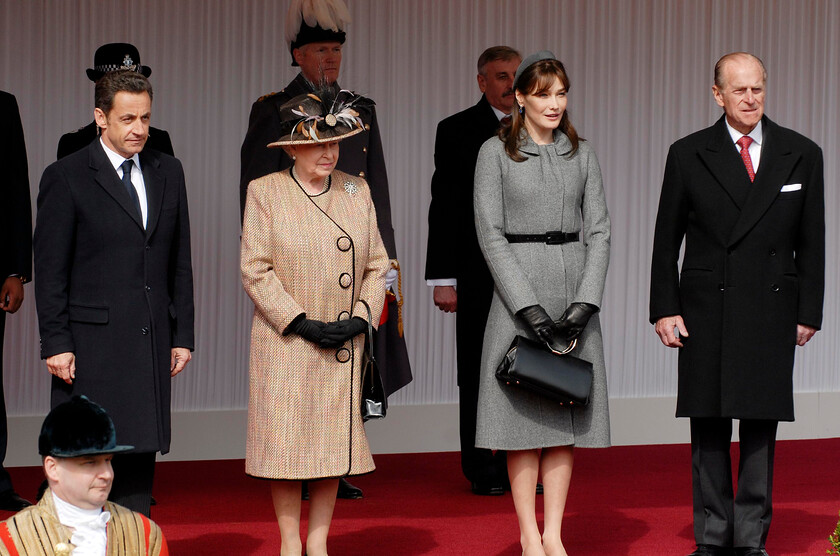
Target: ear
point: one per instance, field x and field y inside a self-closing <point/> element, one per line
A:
<point x="100" y="118"/>
<point x="51" y="468"/>
<point x="520" y="99"/>
<point x="482" y="82"/>
<point x="297" y="54"/>
<point x="718" y="95"/>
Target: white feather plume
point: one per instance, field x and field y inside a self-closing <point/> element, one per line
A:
<point x="329" y="14"/>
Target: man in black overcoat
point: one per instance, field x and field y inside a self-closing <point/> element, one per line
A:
<point x="114" y="288"/>
<point x="15" y="255"/>
<point x="750" y="290"/>
<point x="112" y="57"/>
<point x="453" y="257"/>
<point x="317" y="50"/>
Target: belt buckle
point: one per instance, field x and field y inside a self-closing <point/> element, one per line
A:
<point x="554" y="238"/>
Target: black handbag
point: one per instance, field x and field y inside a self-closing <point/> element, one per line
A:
<point x="374" y="400"/>
<point x="556" y="375"/>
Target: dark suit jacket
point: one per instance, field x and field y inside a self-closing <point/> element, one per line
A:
<point x="753" y="268"/>
<point x="360" y="155"/>
<point x="16" y="223"/>
<point x="82" y="137"/>
<point x="118" y="296"/>
<point x="453" y="250"/>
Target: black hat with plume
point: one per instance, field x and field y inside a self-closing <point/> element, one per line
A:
<point x="309" y="21"/>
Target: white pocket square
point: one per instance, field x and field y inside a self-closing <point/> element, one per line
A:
<point x="791" y="187"/>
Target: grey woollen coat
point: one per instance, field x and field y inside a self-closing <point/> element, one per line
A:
<point x="549" y="191"/>
<point x="753" y="268"/>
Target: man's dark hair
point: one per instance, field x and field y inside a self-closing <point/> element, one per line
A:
<point x="496" y="53"/>
<point x="113" y="82"/>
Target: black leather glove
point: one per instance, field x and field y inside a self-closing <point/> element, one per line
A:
<point x="574" y="319"/>
<point x="308" y="329"/>
<point x="337" y="332"/>
<point x="546" y="329"/>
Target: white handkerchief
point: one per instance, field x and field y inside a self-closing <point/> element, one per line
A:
<point x="791" y="187"/>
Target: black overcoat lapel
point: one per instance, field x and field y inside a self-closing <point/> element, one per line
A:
<point x="722" y="160"/>
<point x="107" y="178"/>
<point x="155" y="183"/>
<point x="777" y="163"/>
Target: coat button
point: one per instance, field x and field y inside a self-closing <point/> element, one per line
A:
<point x="144" y="330"/>
<point x="774" y="287"/>
<point x="344" y="315"/>
<point x="148" y="288"/>
<point x="342" y="355"/>
<point x="772" y="252"/>
<point x="361" y="174"/>
<point x="344" y="243"/>
<point x="345" y="280"/>
<point x="720" y="286"/>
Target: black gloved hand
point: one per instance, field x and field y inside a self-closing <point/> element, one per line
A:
<point x="308" y="329"/>
<point x="546" y="329"/>
<point x="337" y="332"/>
<point x="574" y="319"/>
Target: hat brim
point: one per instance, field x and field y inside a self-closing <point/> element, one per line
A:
<point x="90" y="452"/>
<point x="290" y="142"/>
<point x="95" y="75"/>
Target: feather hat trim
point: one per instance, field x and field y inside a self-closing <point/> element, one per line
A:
<point x="323" y="116"/>
<point x="311" y="21"/>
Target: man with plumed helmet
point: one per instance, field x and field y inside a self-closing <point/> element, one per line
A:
<point x="112" y="57"/>
<point x="315" y="33"/>
<point x="76" y="444"/>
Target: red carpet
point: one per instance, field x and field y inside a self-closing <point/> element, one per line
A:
<point x="624" y="501"/>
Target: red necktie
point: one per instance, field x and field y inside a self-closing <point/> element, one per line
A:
<point x="745" y="142"/>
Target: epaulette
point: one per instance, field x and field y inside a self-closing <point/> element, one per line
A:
<point x="269" y="95"/>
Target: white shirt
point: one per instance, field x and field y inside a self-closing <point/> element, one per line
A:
<point x="454" y="281"/>
<point x="136" y="177"/>
<point x="89" y="527"/>
<point x="754" y="148"/>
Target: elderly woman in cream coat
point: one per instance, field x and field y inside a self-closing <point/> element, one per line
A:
<point x="313" y="262"/>
<point x="543" y="227"/>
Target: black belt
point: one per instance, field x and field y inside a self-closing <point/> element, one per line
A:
<point x="549" y="238"/>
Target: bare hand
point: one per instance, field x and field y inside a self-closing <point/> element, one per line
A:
<point x="665" y="329"/>
<point x="11" y="294"/>
<point x="446" y="298"/>
<point x="180" y="358"/>
<point x="63" y="365"/>
<point x="804" y="333"/>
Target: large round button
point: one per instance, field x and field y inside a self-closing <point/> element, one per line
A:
<point x="345" y="280"/>
<point x="344" y="243"/>
<point x="342" y="355"/>
<point x="344" y="315"/>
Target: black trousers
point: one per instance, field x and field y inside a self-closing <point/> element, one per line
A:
<point x="478" y="464"/>
<point x="133" y="478"/>
<point x="721" y="517"/>
<point x="5" y="480"/>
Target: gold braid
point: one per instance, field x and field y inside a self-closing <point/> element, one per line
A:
<point x="395" y="264"/>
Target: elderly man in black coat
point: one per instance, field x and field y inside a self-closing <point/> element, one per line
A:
<point x="114" y="288"/>
<point x="15" y="255"/>
<point x="455" y="265"/>
<point x="747" y="197"/>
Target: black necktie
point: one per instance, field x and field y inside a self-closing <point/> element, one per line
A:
<point x="126" y="179"/>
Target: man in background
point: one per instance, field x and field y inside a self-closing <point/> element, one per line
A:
<point x="455" y="266"/>
<point x="15" y="255"/>
<point x="107" y="58"/>
<point x="317" y="50"/>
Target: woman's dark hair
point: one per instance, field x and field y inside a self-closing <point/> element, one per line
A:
<point x="536" y="78"/>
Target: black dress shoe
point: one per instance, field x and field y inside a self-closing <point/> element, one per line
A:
<point x="11" y="501"/>
<point x="539" y="488"/>
<point x="487" y="489"/>
<point x="348" y="491"/>
<point x="750" y="552"/>
<point x="711" y="550"/>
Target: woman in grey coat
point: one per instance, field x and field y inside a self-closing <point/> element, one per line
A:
<point x="543" y="227"/>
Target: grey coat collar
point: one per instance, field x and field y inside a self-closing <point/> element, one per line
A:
<point x="562" y="145"/>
